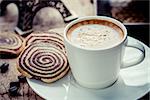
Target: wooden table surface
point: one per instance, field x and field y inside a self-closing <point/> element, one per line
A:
<point x="26" y="93"/>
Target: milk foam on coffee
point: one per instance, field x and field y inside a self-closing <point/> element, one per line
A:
<point x="95" y="34"/>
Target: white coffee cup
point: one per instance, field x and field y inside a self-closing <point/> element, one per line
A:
<point x="98" y="68"/>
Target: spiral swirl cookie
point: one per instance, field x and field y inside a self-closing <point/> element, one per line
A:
<point x="43" y="61"/>
<point x="11" y="44"/>
<point x="50" y="37"/>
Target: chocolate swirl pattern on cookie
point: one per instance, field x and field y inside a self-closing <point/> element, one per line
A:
<point x="50" y="37"/>
<point x="43" y="61"/>
<point x="10" y="43"/>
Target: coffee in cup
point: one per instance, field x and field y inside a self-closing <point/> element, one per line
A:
<point x="95" y="47"/>
<point x="95" y="34"/>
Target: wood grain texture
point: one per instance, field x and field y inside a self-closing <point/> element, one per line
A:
<point x="26" y="93"/>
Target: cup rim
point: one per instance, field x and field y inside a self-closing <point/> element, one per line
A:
<point x="118" y="23"/>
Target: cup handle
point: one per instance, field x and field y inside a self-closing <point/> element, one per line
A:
<point x="134" y="45"/>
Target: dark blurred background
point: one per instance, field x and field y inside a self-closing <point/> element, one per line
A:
<point x="133" y="13"/>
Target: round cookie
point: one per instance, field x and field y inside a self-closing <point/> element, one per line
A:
<point x="11" y="44"/>
<point x="50" y="37"/>
<point x="43" y="61"/>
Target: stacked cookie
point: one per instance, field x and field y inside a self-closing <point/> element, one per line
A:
<point x="52" y="38"/>
<point x="44" y="57"/>
<point x="11" y="44"/>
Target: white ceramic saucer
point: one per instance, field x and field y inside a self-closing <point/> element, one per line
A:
<point x="132" y="84"/>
